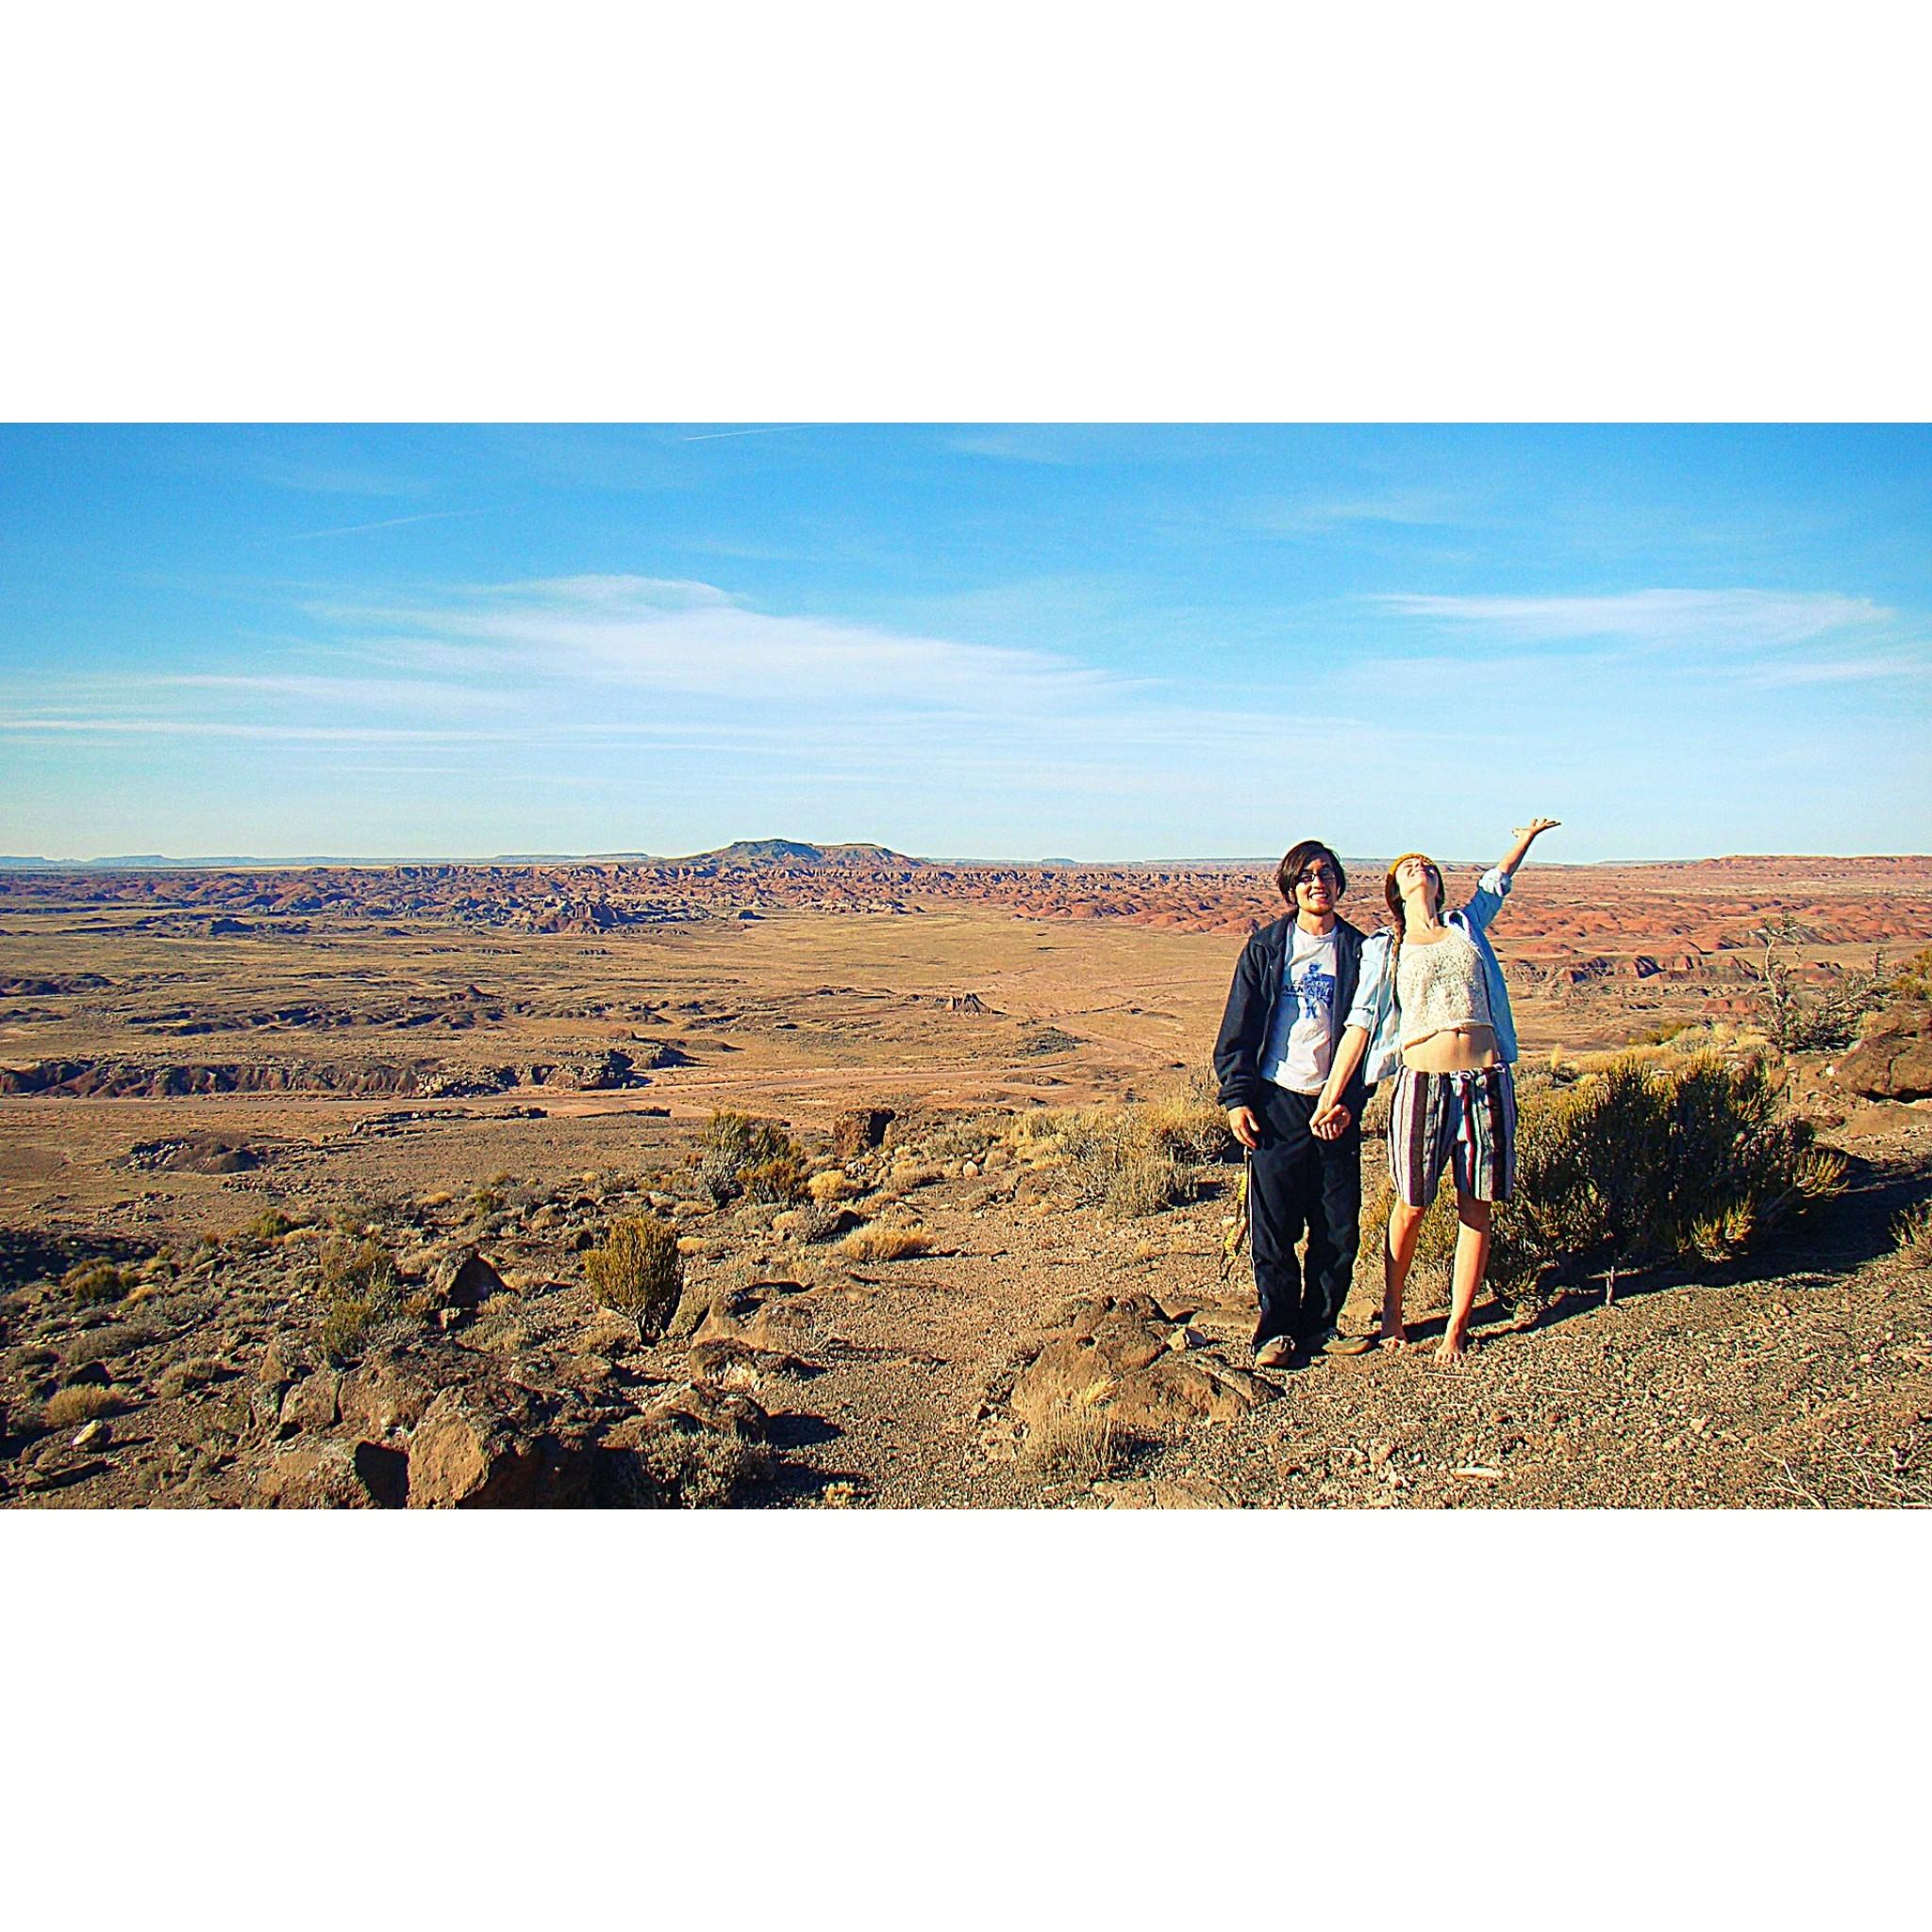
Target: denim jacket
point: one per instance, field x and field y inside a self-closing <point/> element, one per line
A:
<point x="1375" y="1010"/>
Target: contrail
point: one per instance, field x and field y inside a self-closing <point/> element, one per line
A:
<point x="428" y="516"/>
<point x="714" y="435"/>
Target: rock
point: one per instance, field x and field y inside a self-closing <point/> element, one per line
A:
<point x="312" y="1475"/>
<point x="462" y="1455"/>
<point x="1893" y="1061"/>
<point x="462" y="1280"/>
<point x="764" y="1316"/>
<point x="384" y="1394"/>
<point x="726" y="1363"/>
<point x="1114" y="1355"/>
<point x="94" y="1436"/>
<point x="863" y="1127"/>
<point x="310" y="1404"/>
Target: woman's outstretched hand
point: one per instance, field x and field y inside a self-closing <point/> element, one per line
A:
<point x="1526" y="838"/>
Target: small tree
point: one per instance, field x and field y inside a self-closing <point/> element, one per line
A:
<point x="1821" y="1022"/>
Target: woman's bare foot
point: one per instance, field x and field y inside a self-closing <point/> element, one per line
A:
<point x="1453" y="1350"/>
<point x="1393" y="1334"/>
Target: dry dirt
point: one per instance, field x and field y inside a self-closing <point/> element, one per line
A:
<point x="442" y="1060"/>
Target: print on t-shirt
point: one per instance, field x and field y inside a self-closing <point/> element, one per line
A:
<point x="1303" y="1033"/>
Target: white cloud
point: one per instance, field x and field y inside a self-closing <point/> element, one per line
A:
<point x="1650" y="617"/>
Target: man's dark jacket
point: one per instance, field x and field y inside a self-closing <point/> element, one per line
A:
<point x="1251" y="1007"/>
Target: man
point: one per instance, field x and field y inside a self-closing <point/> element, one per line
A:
<point x="1292" y="989"/>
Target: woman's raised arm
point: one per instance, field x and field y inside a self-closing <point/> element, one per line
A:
<point x="1526" y="838"/>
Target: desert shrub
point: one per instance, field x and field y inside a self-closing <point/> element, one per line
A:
<point x="89" y="1282"/>
<point x="358" y="1279"/>
<point x="814" y="1221"/>
<point x="1911" y="1234"/>
<point x="270" y="1225"/>
<point x="738" y="1153"/>
<point x="1913" y="979"/>
<point x="357" y="1268"/>
<point x="835" y="1184"/>
<point x="483" y="1202"/>
<point x="909" y="1175"/>
<point x="877" y="1241"/>
<point x="639" y="1272"/>
<point x="1647" y="1160"/>
<point x="101" y="1344"/>
<point x="67" y="1406"/>
<point x="1114" y="1162"/>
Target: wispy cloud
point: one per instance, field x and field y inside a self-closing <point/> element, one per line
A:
<point x="1320" y="516"/>
<point x="1648" y="617"/>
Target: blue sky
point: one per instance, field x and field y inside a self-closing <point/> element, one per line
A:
<point x="1086" y="642"/>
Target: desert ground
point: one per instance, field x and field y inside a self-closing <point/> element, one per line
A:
<point x="303" y="1172"/>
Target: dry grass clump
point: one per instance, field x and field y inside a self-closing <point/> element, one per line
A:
<point x="1911" y="1234"/>
<point x="67" y="1406"/>
<point x="879" y="1242"/>
<point x="1188" y="1122"/>
<point x="1075" y="1442"/>
<point x="909" y="1175"/>
<point x="1131" y="1159"/>
<point x="639" y="1272"/>
<point x="89" y="1282"/>
<point x="499" y="1325"/>
<point x="833" y="1184"/>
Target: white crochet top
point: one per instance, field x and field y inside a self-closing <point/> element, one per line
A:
<point x="1439" y="986"/>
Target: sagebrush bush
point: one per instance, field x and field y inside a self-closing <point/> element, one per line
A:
<point x="1648" y="1157"/>
<point x="833" y="1184"/>
<point x="738" y="1153"/>
<point x="639" y="1272"/>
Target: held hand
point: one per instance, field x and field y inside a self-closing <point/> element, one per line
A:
<point x="1242" y="1124"/>
<point x="1529" y="831"/>
<point x="1331" y="1121"/>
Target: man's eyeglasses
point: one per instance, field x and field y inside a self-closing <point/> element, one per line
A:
<point x="1310" y="874"/>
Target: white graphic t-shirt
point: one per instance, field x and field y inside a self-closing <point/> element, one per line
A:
<point x="1302" y="1034"/>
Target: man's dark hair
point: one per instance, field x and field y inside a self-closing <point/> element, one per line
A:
<point x="1301" y="857"/>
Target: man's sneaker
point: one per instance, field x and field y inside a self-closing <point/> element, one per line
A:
<point x="1275" y="1353"/>
<point x="1333" y="1341"/>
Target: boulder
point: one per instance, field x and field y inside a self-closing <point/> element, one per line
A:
<point x="1893" y="1061"/>
<point x="462" y="1280"/>
<point x="1115" y="1355"/>
<point x="311" y="1404"/>
<point x="466" y="1455"/>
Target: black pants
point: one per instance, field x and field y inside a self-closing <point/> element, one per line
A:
<point x="1297" y="1182"/>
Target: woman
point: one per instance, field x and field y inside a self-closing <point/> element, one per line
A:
<point x="1432" y="1001"/>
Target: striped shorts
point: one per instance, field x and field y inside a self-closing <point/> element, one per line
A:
<point x="1464" y="1120"/>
